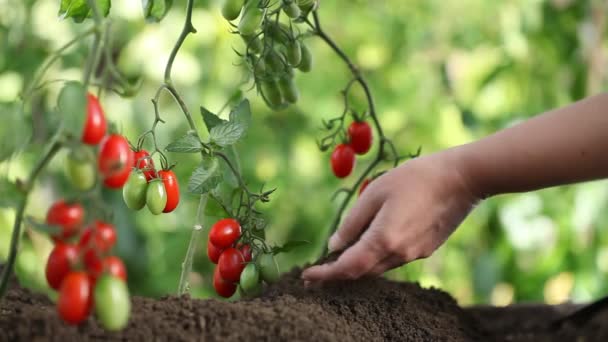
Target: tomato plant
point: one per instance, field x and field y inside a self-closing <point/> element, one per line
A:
<point x="75" y="297"/>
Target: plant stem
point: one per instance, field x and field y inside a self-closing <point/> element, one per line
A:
<point x="194" y="238"/>
<point x="187" y="29"/>
<point x="54" y="147"/>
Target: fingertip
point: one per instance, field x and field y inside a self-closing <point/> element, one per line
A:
<point x="335" y="243"/>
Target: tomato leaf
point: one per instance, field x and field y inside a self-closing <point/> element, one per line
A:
<point x="289" y="246"/>
<point x="42" y="227"/>
<point x="15" y="131"/>
<point x="156" y="10"/>
<point x="79" y="10"/>
<point x="211" y="120"/>
<point x="72" y="104"/>
<point x="11" y="195"/>
<point x="242" y="114"/>
<point x="206" y="176"/>
<point x="227" y="133"/>
<point x="189" y="143"/>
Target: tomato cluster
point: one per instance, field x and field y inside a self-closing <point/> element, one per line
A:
<point x="235" y="261"/>
<point x="81" y="268"/>
<point x="158" y="190"/>
<point x="360" y="139"/>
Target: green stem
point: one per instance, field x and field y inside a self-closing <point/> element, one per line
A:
<point x="194" y="238"/>
<point x="186" y="30"/>
<point x="54" y="147"/>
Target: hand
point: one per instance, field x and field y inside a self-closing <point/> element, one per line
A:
<point x="402" y="216"/>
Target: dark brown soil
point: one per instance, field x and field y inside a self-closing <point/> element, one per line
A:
<point x="366" y="310"/>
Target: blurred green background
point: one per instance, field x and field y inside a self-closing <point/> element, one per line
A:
<point x="443" y="73"/>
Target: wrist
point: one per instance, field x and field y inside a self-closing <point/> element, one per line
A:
<point x="462" y="161"/>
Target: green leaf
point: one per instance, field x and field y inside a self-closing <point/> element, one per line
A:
<point x="11" y="196"/>
<point x="72" y="104"/>
<point x="289" y="246"/>
<point x="211" y="120"/>
<point x="156" y="10"/>
<point x="189" y="143"/>
<point x="206" y="176"/>
<point x="227" y="133"/>
<point x="15" y="131"/>
<point x="242" y="114"/>
<point x="229" y="176"/>
<point x="79" y="10"/>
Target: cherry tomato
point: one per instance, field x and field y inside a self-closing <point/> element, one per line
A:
<point x="67" y="216"/>
<point x="113" y="266"/>
<point x="306" y="63"/>
<point x="251" y="18"/>
<point x="223" y="288"/>
<point x="269" y="269"/>
<point x="288" y="89"/>
<point x="360" y="136"/>
<point x="364" y="185"/>
<point x="343" y="160"/>
<point x="80" y="169"/>
<point x="246" y="251"/>
<point x="231" y="9"/>
<point x="144" y="162"/>
<point x="60" y="263"/>
<point x="75" y="298"/>
<point x="250" y="278"/>
<point x="100" y="236"/>
<point x="115" y="158"/>
<point x="172" y="189"/>
<point x="134" y="191"/>
<point x="213" y="252"/>
<point x="112" y="302"/>
<point x="292" y="10"/>
<point x="294" y="53"/>
<point x="93" y="263"/>
<point x="272" y="94"/>
<point x="231" y="264"/>
<point x="225" y="232"/>
<point x="117" y="180"/>
<point x="95" y="126"/>
<point x="156" y="196"/>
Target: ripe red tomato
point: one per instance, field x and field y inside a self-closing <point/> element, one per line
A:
<point x="115" y="267"/>
<point x="60" y="263"/>
<point x="115" y="160"/>
<point x="68" y="216"/>
<point x="100" y="236"/>
<point x="343" y="160"/>
<point x="360" y="136"/>
<point x="246" y="251"/>
<point x="223" y="288"/>
<point x="364" y="185"/>
<point x="95" y="125"/>
<point x="213" y="252"/>
<point x="225" y="232"/>
<point x="75" y="298"/>
<point x="231" y="264"/>
<point x="172" y="189"/>
<point x="93" y="263"/>
<point x="143" y="161"/>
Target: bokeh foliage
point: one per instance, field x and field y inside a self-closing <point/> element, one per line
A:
<point x="444" y="73"/>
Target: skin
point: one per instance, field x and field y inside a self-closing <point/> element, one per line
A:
<point x="410" y="211"/>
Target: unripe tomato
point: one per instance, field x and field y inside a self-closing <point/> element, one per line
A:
<point x="156" y="196"/>
<point x="307" y="60"/>
<point x="364" y="185"/>
<point x="113" y="266"/>
<point x="59" y="264"/>
<point x="223" y="288"/>
<point x="95" y="125"/>
<point x="360" y="136"/>
<point x="259" y="67"/>
<point x="343" y="160"/>
<point x="134" y="191"/>
<point x="292" y="10"/>
<point x="246" y="251"/>
<point x="251" y="18"/>
<point x="306" y="5"/>
<point x="250" y="278"/>
<point x="67" y="216"/>
<point x="143" y="161"/>
<point x="80" y="169"/>
<point x="213" y="252"/>
<point x="254" y="44"/>
<point x="272" y="94"/>
<point x="75" y="298"/>
<point x="288" y="89"/>
<point x="231" y="9"/>
<point x="231" y="264"/>
<point x="115" y="156"/>
<point x="225" y="232"/>
<point x="172" y="189"/>
<point x="294" y="53"/>
<point x="112" y="302"/>
<point x="269" y="269"/>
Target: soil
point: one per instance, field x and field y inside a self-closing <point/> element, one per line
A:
<point x="365" y="310"/>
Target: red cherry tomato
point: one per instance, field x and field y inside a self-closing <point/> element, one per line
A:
<point x="225" y="232"/>
<point x="115" y="160"/>
<point x="343" y="160"/>
<point x="75" y="298"/>
<point x="246" y="251"/>
<point x="231" y="264"/>
<point x="213" y="252"/>
<point x="360" y="136"/>
<point x="60" y="263"/>
<point x="223" y="288"/>
<point x="364" y="185"/>
<point x="172" y="189"/>
<point x="115" y="267"/>
<point x="68" y="216"/>
<point x="95" y="126"/>
<point x="143" y="161"/>
<point x="93" y="263"/>
<point x="100" y="236"/>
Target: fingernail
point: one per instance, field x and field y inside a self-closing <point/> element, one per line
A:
<point x="334" y="243"/>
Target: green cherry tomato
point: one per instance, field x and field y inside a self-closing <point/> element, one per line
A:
<point x="250" y="277"/>
<point x="306" y="63"/>
<point x="156" y="196"/>
<point x="306" y="5"/>
<point x="294" y="53"/>
<point x="80" y="169"/>
<point x="274" y="61"/>
<point x="254" y="44"/>
<point x="292" y="10"/>
<point x="269" y="269"/>
<point x="135" y="190"/>
<point x="272" y="94"/>
<point x="288" y="89"/>
<point x="251" y="18"/>
<point x="112" y="302"/>
<point x="254" y="292"/>
<point x="231" y="9"/>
